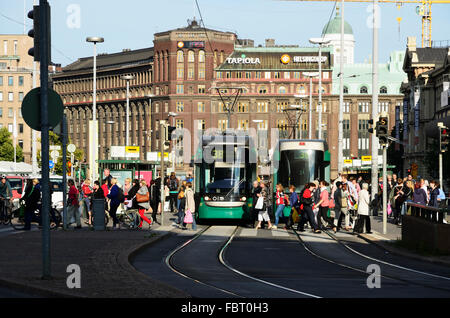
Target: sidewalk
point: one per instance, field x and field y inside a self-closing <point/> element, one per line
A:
<point x="394" y="233"/>
<point x="103" y="257"/>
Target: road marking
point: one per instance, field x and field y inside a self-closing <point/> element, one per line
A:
<point x="280" y="233"/>
<point x="6" y="230"/>
<point x="249" y="232"/>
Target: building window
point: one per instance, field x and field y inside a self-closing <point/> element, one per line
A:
<point x="346" y="143"/>
<point x="363" y="107"/>
<point x="262" y="107"/>
<point x="180" y="89"/>
<point x="346" y="124"/>
<point x="363" y="90"/>
<point x="201" y="71"/>
<point x="180" y="72"/>
<point x="383" y="107"/>
<point x="179" y="123"/>
<point x="363" y="124"/>
<point x="20" y="80"/>
<point x="1" y="80"/>
<point x="257" y="74"/>
<point x="242" y="107"/>
<point x="166" y="107"/>
<point x="296" y="75"/>
<point x="1" y="112"/>
<point x="345" y="90"/>
<point x="218" y="74"/>
<point x="20" y="96"/>
<point x="201" y="89"/>
<point x="201" y="56"/>
<point x="346" y="106"/>
<point x="383" y="90"/>
<point x="267" y="75"/>
<point x="287" y="75"/>
<point x="243" y="124"/>
<point x="281" y="90"/>
<point x="282" y="106"/>
<point x="10" y="128"/>
<point x="262" y="90"/>
<point x="201" y="124"/>
<point x="200" y="107"/>
<point x="238" y="74"/>
<point x="15" y="47"/>
<point x="180" y="106"/>
<point x="277" y="74"/>
<point x="222" y="124"/>
<point x="191" y="57"/>
<point x="190" y="74"/>
<point x="228" y="75"/>
<point x="10" y="80"/>
<point x="262" y="125"/>
<point x="248" y="75"/>
<point x="180" y="56"/>
<point x="1" y="96"/>
<point x="10" y="96"/>
<point x="302" y="89"/>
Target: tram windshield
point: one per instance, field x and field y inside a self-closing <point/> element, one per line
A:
<point x="227" y="177"/>
<point x="297" y="167"/>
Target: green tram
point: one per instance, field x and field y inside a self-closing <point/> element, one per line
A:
<point x="225" y="166"/>
<point x="297" y="162"/>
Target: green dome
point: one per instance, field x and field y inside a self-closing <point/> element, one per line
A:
<point x="334" y="27"/>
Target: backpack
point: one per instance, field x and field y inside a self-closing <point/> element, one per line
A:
<point x="173" y="185"/>
<point x="121" y="196"/>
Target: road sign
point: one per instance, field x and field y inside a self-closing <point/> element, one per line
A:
<point x="71" y="148"/>
<point x="366" y="159"/>
<point x="55" y="147"/>
<point x="51" y="164"/>
<point x="54" y="154"/>
<point x="132" y="149"/>
<point x="31" y="109"/>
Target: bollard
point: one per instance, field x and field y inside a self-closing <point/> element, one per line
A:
<point x="98" y="211"/>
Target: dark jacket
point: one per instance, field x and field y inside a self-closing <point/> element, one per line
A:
<point x="255" y="193"/>
<point x="131" y="196"/>
<point x="293" y="200"/>
<point x="182" y="203"/>
<point x="419" y="196"/>
<point x="433" y="198"/>
<point x="113" y="195"/>
<point x="31" y="197"/>
<point x="337" y="199"/>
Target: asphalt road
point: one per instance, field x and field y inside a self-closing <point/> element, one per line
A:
<point x="277" y="264"/>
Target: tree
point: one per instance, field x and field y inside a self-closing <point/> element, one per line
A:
<point x="55" y="140"/>
<point x="7" y="147"/>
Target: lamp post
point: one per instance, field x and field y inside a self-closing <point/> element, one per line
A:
<point x="321" y="42"/>
<point x="149" y="141"/>
<point x="127" y="78"/>
<point x="94" y="126"/>
<point x="173" y="115"/>
<point x="310" y="75"/>
<point x="111" y="122"/>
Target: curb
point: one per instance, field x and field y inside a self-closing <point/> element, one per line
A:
<point x="397" y="251"/>
<point x="123" y="259"/>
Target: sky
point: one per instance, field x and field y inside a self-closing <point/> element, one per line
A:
<point x="131" y="24"/>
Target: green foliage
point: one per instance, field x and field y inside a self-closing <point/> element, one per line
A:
<point x="7" y="147"/>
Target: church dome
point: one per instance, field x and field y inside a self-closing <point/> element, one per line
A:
<point x="334" y="27"/>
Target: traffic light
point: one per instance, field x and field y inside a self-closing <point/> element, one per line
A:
<point x="444" y="138"/>
<point x="35" y="15"/>
<point x="170" y="129"/>
<point x="382" y="130"/>
<point x="69" y="166"/>
<point x="166" y="145"/>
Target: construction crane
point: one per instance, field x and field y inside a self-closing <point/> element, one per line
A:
<point x="424" y="10"/>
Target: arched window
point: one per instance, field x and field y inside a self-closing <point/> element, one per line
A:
<point x="383" y="90"/>
<point x="201" y="56"/>
<point x="281" y="90"/>
<point x="262" y="90"/>
<point x="345" y="90"/>
<point x="363" y="90"/>
<point x="180" y="56"/>
<point x="191" y="57"/>
<point x="302" y="89"/>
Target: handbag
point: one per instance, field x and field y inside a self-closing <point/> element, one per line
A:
<point x="141" y="198"/>
<point x="188" y="217"/>
<point x="260" y="203"/>
<point x="129" y="203"/>
<point x="331" y="205"/>
<point x="295" y="216"/>
<point x="389" y="209"/>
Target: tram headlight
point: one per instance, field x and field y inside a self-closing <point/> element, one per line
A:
<point x="207" y="198"/>
<point x="243" y="199"/>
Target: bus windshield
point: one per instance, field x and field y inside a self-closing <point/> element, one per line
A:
<point x="297" y="167"/>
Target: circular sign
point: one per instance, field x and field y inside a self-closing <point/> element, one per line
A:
<point x="180" y="44"/>
<point x="71" y="148"/>
<point x="285" y="58"/>
<point x="31" y="110"/>
<point x="55" y="154"/>
<point x="51" y="164"/>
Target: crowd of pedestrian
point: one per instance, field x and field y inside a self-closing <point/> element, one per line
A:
<point x="343" y="204"/>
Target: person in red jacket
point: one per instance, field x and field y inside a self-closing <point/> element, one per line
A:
<point x="86" y="189"/>
<point x="73" y="204"/>
<point x="308" y="206"/>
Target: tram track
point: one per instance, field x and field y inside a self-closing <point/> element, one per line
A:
<point x="361" y="255"/>
<point x="169" y="261"/>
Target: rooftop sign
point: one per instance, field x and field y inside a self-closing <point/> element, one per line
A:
<point x="243" y="60"/>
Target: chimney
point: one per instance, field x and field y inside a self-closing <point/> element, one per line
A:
<point x="270" y="42"/>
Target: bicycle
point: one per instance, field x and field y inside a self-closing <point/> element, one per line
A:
<point x="5" y="211"/>
<point x="54" y="217"/>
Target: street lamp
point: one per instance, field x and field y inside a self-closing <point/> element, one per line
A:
<point x="301" y="96"/>
<point x="173" y="115"/>
<point x="127" y="78"/>
<point x="310" y="75"/>
<point x="321" y="42"/>
<point x="110" y="122"/>
<point x="149" y="96"/>
<point x="94" y="126"/>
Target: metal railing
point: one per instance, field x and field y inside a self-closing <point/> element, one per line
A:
<point x="431" y="214"/>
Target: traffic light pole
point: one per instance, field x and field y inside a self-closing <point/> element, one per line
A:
<point x="163" y="139"/>
<point x="385" y="189"/>
<point x="64" y="169"/>
<point x="441" y="175"/>
<point x="45" y="186"/>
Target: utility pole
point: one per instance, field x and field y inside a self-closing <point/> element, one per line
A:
<point x="341" y="95"/>
<point x="64" y="172"/>
<point x="375" y="98"/>
<point x="163" y="140"/>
